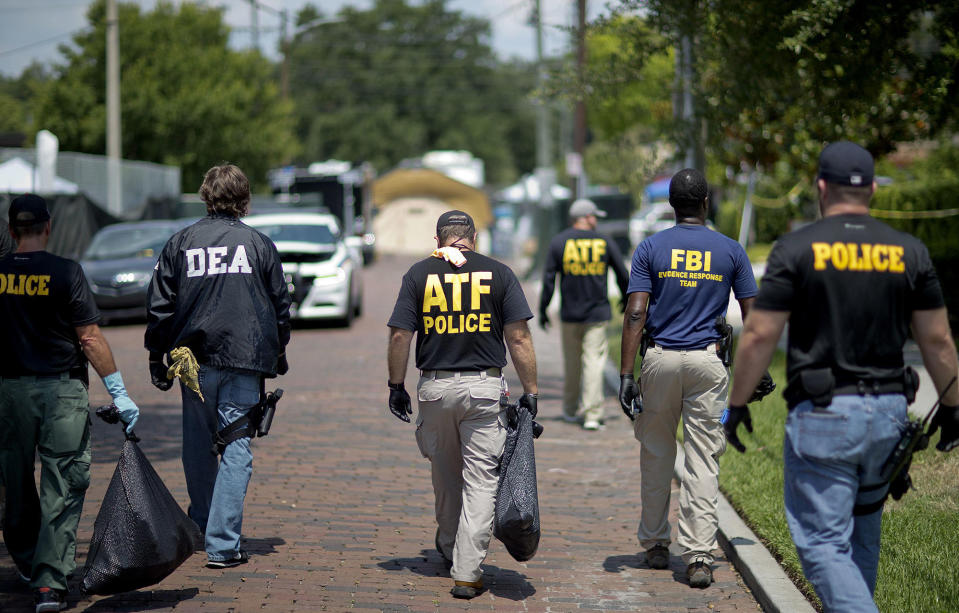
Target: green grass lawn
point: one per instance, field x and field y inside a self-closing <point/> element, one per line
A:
<point x="919" y="533"/>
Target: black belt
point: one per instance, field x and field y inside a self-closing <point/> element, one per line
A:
<point x="653" y="343"/>
<point x="79" y="374"/>
<point x="446" y="374"/>
<point x="874" y="387"/>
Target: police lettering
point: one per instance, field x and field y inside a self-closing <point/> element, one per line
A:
<point x="213" y="261"/>
<point x="25" y="285"/>
<point x="452" y="319"/>
<point x="584" y="256"/>
<point x="864" y="257"/>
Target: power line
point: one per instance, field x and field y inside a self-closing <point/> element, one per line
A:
<point x="40" y="42"/>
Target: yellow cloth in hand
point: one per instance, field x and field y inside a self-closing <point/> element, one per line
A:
<point x="186" y="367"/>
<point x="451" y="255"/>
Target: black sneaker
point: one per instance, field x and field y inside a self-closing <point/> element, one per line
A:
<point x="467" y="589"/>
<point x="657" y="556"/>
<point x="241" y="557"/>
<point x="700" y="574"/>
<point x="49" y="599"/>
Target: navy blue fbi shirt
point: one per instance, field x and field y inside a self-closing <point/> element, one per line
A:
<point x="458" y="314"/>
<point x="851" y="284"/>
<point x="688" y="271"/>
<point x="43" y="299"/>
<point x="582" y="257"/>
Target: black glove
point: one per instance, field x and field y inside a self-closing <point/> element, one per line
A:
<point x="543" y="320"/>
<point x="947" y="418"/>
<point x="731" y="419"/>
<point x="629" y="398"/>
<point x="529" y="402"/>
<point x="765" y="387"/>
<point x="400" y="401"/>
<point x="158" y="376"/>
<point x="282" y="366"/>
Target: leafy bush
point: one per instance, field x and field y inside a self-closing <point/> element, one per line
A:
<point x="939" y="234"/>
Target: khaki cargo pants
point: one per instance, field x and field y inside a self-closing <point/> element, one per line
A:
<point x="691" y="384"/>
<point x="585" y="353"/>
<point x="50" y="418"/>
<point x="458" y="428"/>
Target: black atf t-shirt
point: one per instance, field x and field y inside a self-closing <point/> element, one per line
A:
<point x="458" y="314"/>
<point x="43" y="297"/>
<point x="582" y="258"/>
<point x="851" y="284"/>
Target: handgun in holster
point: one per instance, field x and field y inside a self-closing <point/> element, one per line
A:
<point x="256" y="422"/>
<point x="644" y="342"/>
<point x="724" y="346"/>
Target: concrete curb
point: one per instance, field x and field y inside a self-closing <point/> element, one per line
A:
<point x="770" y="585"/>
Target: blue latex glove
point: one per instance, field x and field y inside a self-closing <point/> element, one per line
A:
<point x="129" y="413"/>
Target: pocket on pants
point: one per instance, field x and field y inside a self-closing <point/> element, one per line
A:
<point x="822" y="435"/>
<point x="425" y="445"/>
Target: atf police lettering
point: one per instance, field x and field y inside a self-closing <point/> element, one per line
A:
<point x="213" y="261"/>
<point x="859" y="256"/>
<point x="584" y="256"/>
<point x="451" y="318"/>
<point x="25" y="285"/>
<point x="690" y="267"/>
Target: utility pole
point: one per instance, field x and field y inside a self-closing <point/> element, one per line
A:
<point x="579" y="128"/>
<point x="285" y="48"/>
<point x="544" y="213"/>
<point x="114" y="153"/>
<point x="254" y="25"/>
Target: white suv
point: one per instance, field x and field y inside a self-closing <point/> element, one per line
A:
<point x="322" y="272"/>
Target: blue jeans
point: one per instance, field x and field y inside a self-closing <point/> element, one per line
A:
<point x="829" y="454"/>
<point x="217" y="488"/>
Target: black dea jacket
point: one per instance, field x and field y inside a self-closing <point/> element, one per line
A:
<point x="218" y="289"/>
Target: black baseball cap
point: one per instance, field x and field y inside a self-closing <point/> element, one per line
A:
<point x="846" y="163"/>
<point x="27" y="210"/>
<point x="454" y="218"/>
<point x="688" y="186"/>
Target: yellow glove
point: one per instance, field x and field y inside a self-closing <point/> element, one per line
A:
<point x="186" y="367"/>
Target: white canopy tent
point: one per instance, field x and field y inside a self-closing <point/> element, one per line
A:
<point x="18" y="176"/>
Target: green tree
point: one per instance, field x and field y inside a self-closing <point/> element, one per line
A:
<point x="774" y="80"/>
<point x="186" y="98"/>
<point x="400" y="79"/>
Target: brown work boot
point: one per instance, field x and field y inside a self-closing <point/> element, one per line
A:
<point x="657" y="556"/>
<point x="467" y="589"/>
<point x="700" y="574"/>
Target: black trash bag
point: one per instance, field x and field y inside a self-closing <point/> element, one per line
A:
<point x="140" y="535"/>
<point x="516" y="515"/>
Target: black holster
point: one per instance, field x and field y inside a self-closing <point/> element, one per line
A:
<point x="724" y="346"/>
<point x="256" y="422"/>
<point x="644" y="343"/>
<point x="818" y="385"/>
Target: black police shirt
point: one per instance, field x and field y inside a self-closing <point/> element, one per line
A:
<point x="458" y="314"/>
<point x="43" y="297"/>
<point x="851" y="284"/>
<point x="582" y="257"/>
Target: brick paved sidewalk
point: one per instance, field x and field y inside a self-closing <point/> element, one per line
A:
<point x="340" y="510"/>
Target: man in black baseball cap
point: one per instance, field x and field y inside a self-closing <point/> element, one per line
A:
<point x="27" y="210"/>
<point x="853" y="290"/>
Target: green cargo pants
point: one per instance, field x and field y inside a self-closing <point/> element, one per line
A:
<point x="48" y="417"/>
